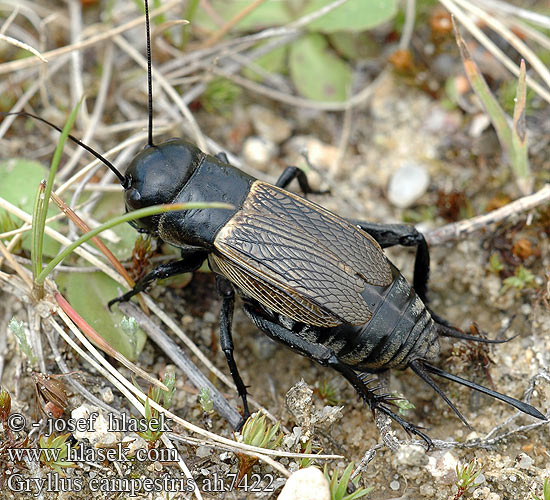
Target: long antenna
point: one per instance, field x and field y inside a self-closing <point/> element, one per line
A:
<point x="520" y="405"/>
<point x="123" y="180"/>
<point x="149" y="73"/>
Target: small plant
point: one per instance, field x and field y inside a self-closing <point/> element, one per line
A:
<point x="256" y="432"/>
<point x="339" y="485"/>
<point x="403" y="404"/>
<point x="545" y="491"/>
<point x="327" y="392"/>
<point x="329" y="41"/>
<point x="129" y="325"/>
<point x="19" y="331"/>
<point x="130" y="328"/>
<point x="55" y="452"/>
<point x="306" y="448"/>
<point x="219" y="96"/>
<point x="466" y="476"/>
<point x="205" y="400"/>
<point x="153" y="433"/>
<point x="522" y="278"/>
<point x="495" y="264"/>
<point x="156" y="394"/>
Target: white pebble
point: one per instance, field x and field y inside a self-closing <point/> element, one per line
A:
<point x="306" y="484"/>
<point x="407" y="184"/>
<point x="524" y="461"/>
<point x="394" y="485"/>
<point x="258" y="152"/>
<point x="96" y="430"/>
<point x="442" y="466"/>
<point x="107" y="395"/>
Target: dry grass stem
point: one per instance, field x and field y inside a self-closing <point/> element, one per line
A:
<point x="477" y="33"/>
<point x="53" y="54"/>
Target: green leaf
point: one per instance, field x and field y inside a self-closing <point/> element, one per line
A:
<point x="89" y="293"/>
<point x="317" y="73"/>
<point x="272" y="62"/>
<point x="20" y="180"/>
<point x="354" y="15"/>
<point x="270" y="13"/>
<point x="353" y="46"/>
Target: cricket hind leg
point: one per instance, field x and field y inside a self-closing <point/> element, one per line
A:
<point x="326" y="357"/>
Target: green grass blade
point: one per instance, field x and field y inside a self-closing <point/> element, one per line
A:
<point x="497" y="115"/>
<point x="344" y="480"/>
<point x="189" y="14"/>
<point x="137" y="214"/>
<point x="39" y="223"/>
<point x="37" y="209"/>
<point x="520" y="159"/>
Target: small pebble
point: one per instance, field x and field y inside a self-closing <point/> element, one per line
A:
<point x="526" y="309"/>
<point x="320" y="155"/>
<point x="203" y="451"/>
<point x="407" y="184"/>
<point x="268" y="125"/>
<point x="524" y="461"/>
<point x="133" y="443"/>
<point x="306" y="484"/>
<point x="259" y="152"/>
<point x="394" y="485"/>
<point x="478" y="125"/>
<point x="299" y="401"/>
<point x="481" y="493"/>
<point x="442" y="466"/>
<point x="107" y="395"/>
<point x="427" y="490"/>
<point x="411" y="455"/>
<point x="186" y="319"/>
<point x="97" y="433"/>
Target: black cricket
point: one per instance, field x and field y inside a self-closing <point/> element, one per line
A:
<point x="309" y="279"/>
